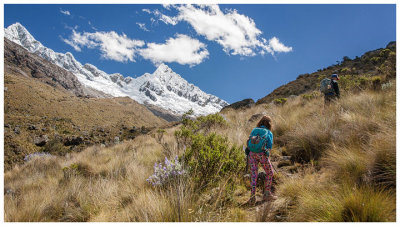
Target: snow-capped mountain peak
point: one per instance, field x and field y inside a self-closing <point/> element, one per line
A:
<point x="162" y="69"/>
<point x="163" y="88"/>
<point x="20" y="35"/>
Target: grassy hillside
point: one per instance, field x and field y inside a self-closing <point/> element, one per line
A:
<point x="34" y="109"/>
<point x="335" y="163"/>
<point x="380" y="62"/>
<point x="342" y="168"/>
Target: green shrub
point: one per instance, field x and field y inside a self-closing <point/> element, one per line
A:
<point x="362" y="82"/>
<point x="376" y="82"/>
<point x="310" y="96"/>
<point x="210" y="158"/>
<point x="55" y="147"/>
<point x="354" y="82"/>
<point x="384" y="52"/>
<point x="76" y="169"/>
<point x="345" y="70"/>
<point x="280" y="101"/>
<point x="207" y="157"/>
<point x="211" y="121"/>
<point x="388" y="67"/>
<point x="376" y="60"/>
<point x="203" y="122"/>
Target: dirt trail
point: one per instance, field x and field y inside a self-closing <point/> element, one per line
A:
<point x="262" y="210"/>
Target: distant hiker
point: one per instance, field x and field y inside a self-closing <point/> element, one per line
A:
<point x="259" y="146"/>
<point x="330" y="88"/>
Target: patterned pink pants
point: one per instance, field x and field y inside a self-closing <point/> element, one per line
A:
<point x="254" y="159"/>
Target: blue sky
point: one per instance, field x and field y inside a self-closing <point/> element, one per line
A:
<point x="232" y="51"/>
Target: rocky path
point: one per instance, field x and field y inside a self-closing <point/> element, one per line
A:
<point x="264" y="210"/>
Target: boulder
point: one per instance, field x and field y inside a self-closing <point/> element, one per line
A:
<point x="74" y="140"/>
<point x="32" y="127"/>
<point x="243" y="104"/>
<point x="41" y="140"/>
<point x="17" y="130"/>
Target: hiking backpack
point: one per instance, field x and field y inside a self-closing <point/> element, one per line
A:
<point x="326" y="86"/>
<point x="257" y="140"/>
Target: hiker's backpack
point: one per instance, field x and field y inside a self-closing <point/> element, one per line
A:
<point x="326" y="86"/>
<point x="258" y="140"/>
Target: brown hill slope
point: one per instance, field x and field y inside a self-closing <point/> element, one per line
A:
<point x="18" y="60"/>
<point x="369" y="64"/>
<point x="36" y="111"/>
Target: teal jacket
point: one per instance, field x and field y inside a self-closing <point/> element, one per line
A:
<point x="270" y="139"/>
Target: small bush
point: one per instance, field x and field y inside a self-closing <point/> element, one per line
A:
<point x="345" y="70"/>
<point x="56" y="147"/>
<point x="376" y="60"/>
<point x="376" y="82"/>
<point x="211" y="121"/>
<point x="310" y="96"/>
<point x="209" y="158"/>
<point x="384" y="53"/>
<point x="280" y="101"/>
<point x="77" y="169"/>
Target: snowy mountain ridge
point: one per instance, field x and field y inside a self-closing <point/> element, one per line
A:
<point x="163" y="88"/>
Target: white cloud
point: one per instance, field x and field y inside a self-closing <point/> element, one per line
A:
<point x="167" y="6"/>
<point x="65" y="12"/>
<point x="147" y="11"/>
<point x="74" y="45"/>
<point x="142" y="26"/>
<point x="182" y="49"/>
<point x="168" y="20"/>
<point x="236" y="33"/>
<point x="277" y="46"/>
<point x="112" y="45"/>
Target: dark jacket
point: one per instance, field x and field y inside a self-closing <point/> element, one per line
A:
<point x="335" y="86"/>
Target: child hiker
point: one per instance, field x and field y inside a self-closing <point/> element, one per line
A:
<point x="259" y="145"/>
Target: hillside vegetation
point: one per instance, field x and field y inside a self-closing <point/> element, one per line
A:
<point x="334" y="163"/>
<point x="379" y="62"/>
<point x="37" y="111"/>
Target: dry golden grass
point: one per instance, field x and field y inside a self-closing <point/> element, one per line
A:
<point x="348" y="151"/>
<point x="30" y="102"/>
<point x="27" y="96"/>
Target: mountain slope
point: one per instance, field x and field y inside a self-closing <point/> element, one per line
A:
<point x="19" y="61"/>
<point x="34" y="110"/>
<point x="369" y="64"/>
<point x="163" y="88"/>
